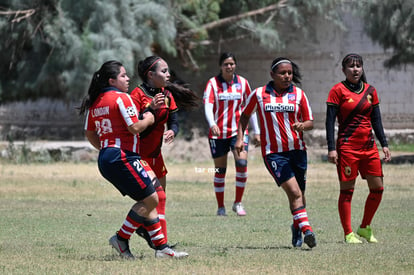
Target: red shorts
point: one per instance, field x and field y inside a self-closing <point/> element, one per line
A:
<point x="366" y="162"/>
<point x="157" y="165"/>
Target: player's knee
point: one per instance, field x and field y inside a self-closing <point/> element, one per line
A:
<point x="220" y="170"/>
<point x="241" y="162"/>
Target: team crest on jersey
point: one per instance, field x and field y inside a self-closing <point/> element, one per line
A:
<point x="144" y="173"/>
<point x="291" y="97"/>
<point x="237" y="86"/>
<point x="279" y="107"/>
<point x="167" y="101"/>
<point x="347" y="170"/>
<point x="369" y="98"/>
<point x="131" y="111"/>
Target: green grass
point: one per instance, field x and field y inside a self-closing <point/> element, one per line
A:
<point x="403" y="147"/>
<point x="57" y="219"/>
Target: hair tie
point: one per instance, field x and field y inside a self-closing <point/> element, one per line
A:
<point x="149" y="68"/>
<point x="280" y="62"/>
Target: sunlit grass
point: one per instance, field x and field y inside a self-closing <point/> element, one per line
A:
<point x="57" y="218"/>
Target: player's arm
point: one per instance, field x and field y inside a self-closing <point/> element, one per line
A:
<point x="379" y="132"/>
<point x="256" y="129"/>
<point x="172" y="123"/>
<point x="172" y="128"/>
<point x="137" y="127"/>
<point x="377" y="126"/>
<point x="303" y="126"/>
<point x="243" y="122"/>
<point x="331" y="113"/>
<point x="93" y="138"/>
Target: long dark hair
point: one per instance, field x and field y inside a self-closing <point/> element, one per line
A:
<point x="100" y="80"/>
<point x="353" y="57"/>
<point x="184" y="97"/>
<point x="297" y="77"/>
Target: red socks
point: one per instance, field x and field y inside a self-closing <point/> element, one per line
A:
<point x="162" y="198"/>
<point x="131" y="223"/>
<point x="371" y="205"/>
<point x="154" y="230"/>
<point x="344" y="208"/>
<point x="300" y="219"/>
<point x="241" y="178"/>
<point x="219" y="178"/>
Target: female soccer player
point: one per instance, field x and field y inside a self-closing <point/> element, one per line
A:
<point x="284" y="113"/>
<point x="224" y="97"/>
<point x="159" y="94"/>
<point x="112" y="126"/>
<point x="356" y="105"/>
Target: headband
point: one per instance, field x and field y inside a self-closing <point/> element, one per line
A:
<point x="149" y="68"/>
<point x="280" y="62"/>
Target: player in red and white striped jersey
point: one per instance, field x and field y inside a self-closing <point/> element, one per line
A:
<point x="224" y="97"/>
<point x="284" y="113"/>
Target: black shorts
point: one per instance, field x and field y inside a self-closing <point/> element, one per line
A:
<point x="125" y="171"/>
<point x="285" y="165"/>
<point x="220" y="147"/>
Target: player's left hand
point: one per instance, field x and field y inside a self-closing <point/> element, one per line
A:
<point x="169" y="136"/>
<point x="298" y="126"/>
<point x="256" y="140"/>
<point x="387" y="154"/>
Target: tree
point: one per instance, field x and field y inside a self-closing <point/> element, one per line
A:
<point x="391" y="24"/>
<point x="262" y="21"/>
<point x="53" y="50"/>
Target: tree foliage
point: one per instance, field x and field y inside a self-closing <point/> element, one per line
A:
<point x="50" y="48"/>
<point x="54" y="51"/>
<point x="391" y="24"/>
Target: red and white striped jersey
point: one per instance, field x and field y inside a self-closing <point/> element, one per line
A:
<point x="223" y="104"/>
<point x="277" y="113"/>
<point x="110" y="115"/>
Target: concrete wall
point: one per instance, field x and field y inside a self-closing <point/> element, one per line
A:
<point x="320" y="64"/>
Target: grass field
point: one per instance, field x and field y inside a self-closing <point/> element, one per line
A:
<point x="57" y="218"/>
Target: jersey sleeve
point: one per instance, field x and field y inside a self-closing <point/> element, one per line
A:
<point x="209" y="92"/>
<point x="248" y="91"/>
<point x="306" y="108"/>
<point x="375" y="98"/>
<point x="251" y="103"/>
<point x="334" y="96"/>
<point x="127" y="109"/>
<point x="208" y="101"/>
<point x="173" y="104"/>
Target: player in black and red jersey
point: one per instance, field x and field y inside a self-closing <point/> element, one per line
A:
<point x="356" y="105"/>
<point x="158" y="93"/>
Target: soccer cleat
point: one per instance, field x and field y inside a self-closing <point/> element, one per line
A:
<point x="296" y="236"/>
<point x="366" y="233"/>
<point x="352" y="239"/>
<point x="310" y="239"/>
<point x="221" y="211"/>
<point x="144" y="234"/>
<point x="239" y="209"/>
<point x="168" y="252"/>
<point x="122" y="247"/>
